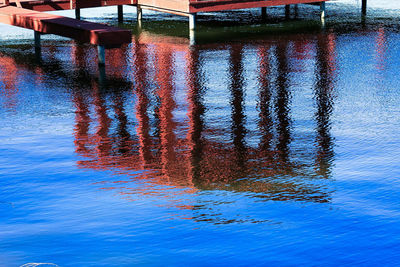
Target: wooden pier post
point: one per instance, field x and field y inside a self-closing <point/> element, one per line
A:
<point x="102" y="75"/>
<point x="38" y="47"/>
<point x="139" y="13"/>
<point x="263" y="13"/>
<point x="287" y="11"/>
<point x="101" y="54"/>
<point x="364" y="7"/>
<point x="77" y="13"/>
<point x="192" y="21"/>
<point x="37" y="38"/>
<point x="322" y="9"/>
<point x="192" y="37"/>
<point x="120" y="13"/>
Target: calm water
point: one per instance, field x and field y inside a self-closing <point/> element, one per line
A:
<point x="264" y="144"/>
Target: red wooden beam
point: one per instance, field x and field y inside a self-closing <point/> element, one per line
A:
<point x="46" y="5"/>
<point x="83" y="31"/>
<point x="219" y="5"/>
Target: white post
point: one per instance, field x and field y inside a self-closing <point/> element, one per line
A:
<point x="322" y="9"/>
<point x="192" y="21"/>
<point x="139" y="13"/>
<point x="192" y="37"/>
<point x="101" y="54"/>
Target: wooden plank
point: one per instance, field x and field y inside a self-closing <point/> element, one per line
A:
<point x="219" y="5"/>
<point x="83" y="31"/>
<point x="46" y="5"/>
<point x="169" y="11"/>
<point x="172" y="5"/>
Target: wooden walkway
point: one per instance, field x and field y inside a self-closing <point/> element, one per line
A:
<point x="28" y="14"/>
<point x="79" y="30"/>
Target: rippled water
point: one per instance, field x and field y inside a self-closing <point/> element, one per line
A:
<point x="264" y="144"/>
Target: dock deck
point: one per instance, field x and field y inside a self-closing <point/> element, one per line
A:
<point x="27" y="14"/>
<point x="82" y="31"/>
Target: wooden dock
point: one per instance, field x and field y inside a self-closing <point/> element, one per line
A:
<point x="28" y="14"/>
<point x="25" y="14"/>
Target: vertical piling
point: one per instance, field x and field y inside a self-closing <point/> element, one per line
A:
<point x="322" y="9"/>
<point x="192" y="21"/>
<point x="263" y="13"/>
<point x="192" y="37"/>
<point x="287" y="11"/>
<point x="120" y="13"/>
<point x="139" y="13"/>
<point x="77" y="13"/>
<point x="37" y="39"/>
<point x="102" y="75"/>
<point x="364" y="7"/>
<point x="38" y="47"/>
<point x="101" y="54"/>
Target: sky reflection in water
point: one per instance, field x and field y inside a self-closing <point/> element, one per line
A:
<point x="267" y="149"/>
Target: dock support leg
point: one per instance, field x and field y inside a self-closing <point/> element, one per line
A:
<point x="287" y="11"/>
<point x="120" y="13"/>
<point x="263" y="13"/>
<point x="322" y="9"/>
<point x="38" y="46"/>
<point x="192" y="21"/>
<point x="192" y="37"/>
<point x="37" y="39"/>
<point x="77" y="13"/>
<point x="139" y="14"/>
<point x="102" y="75"/>
<point x="101" y="54"/>
<point x="364" y="7"/>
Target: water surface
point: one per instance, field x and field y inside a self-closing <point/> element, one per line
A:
<point x="266" y="143"/>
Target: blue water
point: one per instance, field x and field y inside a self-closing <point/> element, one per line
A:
<point x="267" y="144"/>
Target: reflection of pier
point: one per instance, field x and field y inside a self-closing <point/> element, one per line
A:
<point x="160" y="153"/>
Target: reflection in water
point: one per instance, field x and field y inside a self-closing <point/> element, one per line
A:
<point x="324" y="94"/>
<point x="142" y="105"/>
<point x="238" y="117"/>
<point x="8" y="82"/>
<point x="160" y="155"/>
<point x="152" y="142"/>
<point x="280" y="135"/>
<point x="282" y="104"/>
<point x="265" y="121"/>
<point x="195" y="114"/>
<point x="381" y="47"/>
